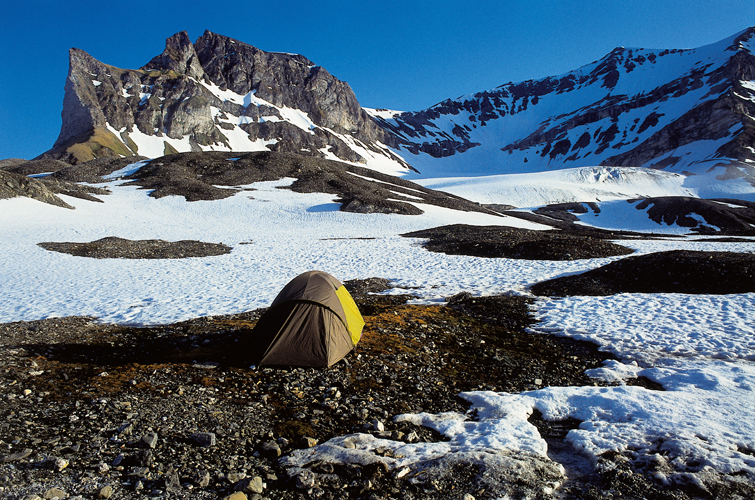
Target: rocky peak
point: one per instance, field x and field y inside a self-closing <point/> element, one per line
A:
<point x="179" y="56"/>
<point x="81" y="114"/>
<point x="284" y="80"/>
<point x="745" y="41"/>
<point x="215" y="94"/>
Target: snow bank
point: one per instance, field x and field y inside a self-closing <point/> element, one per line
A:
<point x="585" y="184"/>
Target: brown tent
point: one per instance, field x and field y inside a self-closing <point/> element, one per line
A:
<point x="312" y="322"/>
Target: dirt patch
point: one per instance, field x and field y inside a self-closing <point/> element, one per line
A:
<point x="676" y="271"/>
<point x="515" y="243"/>
<point x="120" y="248"/>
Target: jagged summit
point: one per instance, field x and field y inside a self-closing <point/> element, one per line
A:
<point x="179" y="56"/>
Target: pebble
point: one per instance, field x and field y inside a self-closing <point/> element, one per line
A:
<point x="149" y="440"/>
<point x="55" y="493"/>
<point x="105" y="492"/>
<point x="204" y="439"/>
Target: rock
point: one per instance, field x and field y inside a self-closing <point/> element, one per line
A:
<point x="172" y="481"/>
<point x="271" y="449"/>
<point x="305" y="480"/>
<point x="376" y="425"/>
<point x="235" y="477"/>
<point x="201" y="479"/>
<point x="55" y="493"/>
<point x="238" y="495"/>
<point x="138" y="485"/>
<point x="13" y="457"/>
<point x="104" y="492"/>
<point x="149" y="440"/>
<point x="60" y="464"/>
<point x="204" y="439"/>
<point x="307" y="442"/>
<point x="142" y="458"/>
<point x="117" y="460"/>
<point x="251" y="485"/>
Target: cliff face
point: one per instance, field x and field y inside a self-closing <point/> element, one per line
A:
<point x="215" y="94"/>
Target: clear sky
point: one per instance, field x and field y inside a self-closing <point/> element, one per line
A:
<point x="404" y="55"/>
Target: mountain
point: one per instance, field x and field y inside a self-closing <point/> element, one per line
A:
<point x="686" y="111"/>
<point x="217" y="94"/>
<point x="689" y="112"/>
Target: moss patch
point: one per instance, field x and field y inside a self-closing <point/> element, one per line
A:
<point x="101" y="143"/>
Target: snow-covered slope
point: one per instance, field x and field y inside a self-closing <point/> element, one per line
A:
<point x="585" y="184"/>
<point x="686" y="111"/>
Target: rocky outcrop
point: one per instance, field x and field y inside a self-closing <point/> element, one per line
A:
<point x="216" y="94"/>
<point x="15" y="185"/>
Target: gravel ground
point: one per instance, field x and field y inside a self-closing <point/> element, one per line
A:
<point x="90" y="410"/>
<point x="120" y="248"/>
<point x="104" y="411"/>
<point x="677" y="271"/>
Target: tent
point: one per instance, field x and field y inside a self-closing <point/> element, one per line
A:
<point x="312" y="322"/>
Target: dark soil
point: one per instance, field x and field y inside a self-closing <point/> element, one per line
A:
<point x="514" y="243"/>
<point x="120" y="248"/>
<point x="677" y="271"/>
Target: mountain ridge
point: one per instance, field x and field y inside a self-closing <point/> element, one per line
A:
<point x="629" y="85"/>
<point x="688" y="111"/>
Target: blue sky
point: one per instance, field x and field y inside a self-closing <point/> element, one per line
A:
<point x="405" y="55"/>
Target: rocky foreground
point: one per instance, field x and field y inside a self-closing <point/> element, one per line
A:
<point x="104" y="411"/>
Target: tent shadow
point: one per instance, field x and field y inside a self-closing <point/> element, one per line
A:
<point x="227" y="348"/>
